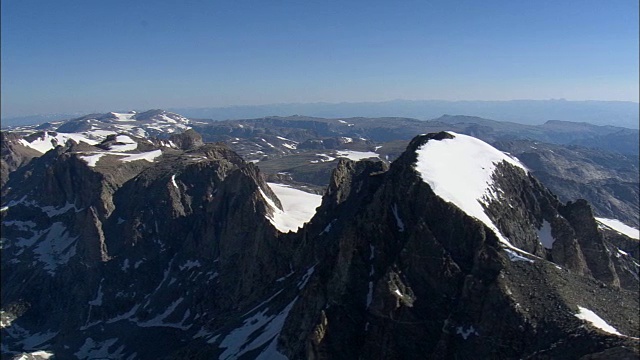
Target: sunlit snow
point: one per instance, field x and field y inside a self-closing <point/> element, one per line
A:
<point x="48" y="142"/>
<point x="595" y="320"/>
<point x="298" y="207"/>
<point x="126" y="144"/>
<point x="356" y="155"/>
<point x="323" y="158"/>
<point x="92" y="160"/>
<point x="620" y="227"/>
<point x="148" y="156"/>
<point x="459" y="171"/>
<point x="6" y="318"/>
<point x="40" y="354"/>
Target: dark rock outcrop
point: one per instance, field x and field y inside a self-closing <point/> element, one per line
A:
<point x="187" y="140"/>
<point x="13" y="155"/>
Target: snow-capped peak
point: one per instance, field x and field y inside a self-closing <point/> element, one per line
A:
<point x="459" y="170"/>
<point x="94" y="128"/>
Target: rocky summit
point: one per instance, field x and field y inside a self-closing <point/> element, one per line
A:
<point x="131" y="247"/>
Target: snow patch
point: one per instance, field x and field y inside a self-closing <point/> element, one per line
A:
<point x="190" y="264"/>
<point x="620" y="227"/>
<point x="40" y="354"/>
<point x="465" y="333"/>
<point x="124" y="116"/>
<point x="514" y="256"/>
<point x="52" y="211"/>
<point x="255" y="332"/>
<point x="98" y="300"/>
<point x="326" y="229"/>
<point x="305" y="278"/>
<point x="285" y="139"/>
<point x="127" y="144"/>
<point x="168" y="119"/>
<point x="298" y="207"/>
<point x="56" y="248"/>
<point x="357" y="155"/>
<point x="323" y="158"/>
<point x="92" y="349"/>
<point x="48" y="141"/>
<point x="31" y="342"/>
<point x="270" y="145"/>
<point x="263" y="303"/>
<point x="125" y="316"/>
<point x="159" y="321"/>
<point x="344" y="122"/>
<point x="271" y="352"/>
<point x="148" y="156"/>
<point x="21" y="225"/>
<point x="6" y="318"/>
<point x="92" y="160"/>
<point x="595" y="320"/>
<point x="399" y="222"/>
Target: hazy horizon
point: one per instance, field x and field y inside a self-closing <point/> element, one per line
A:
<point x="69" y="57"/>
<point x="81" y="111"/>
<point x="532" y="112"/>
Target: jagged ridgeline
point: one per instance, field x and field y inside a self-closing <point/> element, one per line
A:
<point x="136" y="248"/>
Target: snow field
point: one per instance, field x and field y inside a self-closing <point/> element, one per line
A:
<point x="298" y="207"/>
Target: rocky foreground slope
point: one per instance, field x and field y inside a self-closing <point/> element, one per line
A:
<point x="130" y="248"/>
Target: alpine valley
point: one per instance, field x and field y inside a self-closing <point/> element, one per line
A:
<point x="147" y="235"/>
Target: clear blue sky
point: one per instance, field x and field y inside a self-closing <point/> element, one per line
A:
<point x="67" y="56"/>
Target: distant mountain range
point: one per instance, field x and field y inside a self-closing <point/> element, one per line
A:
<point x="533" y="112"/>
<point x="575" y="160"/>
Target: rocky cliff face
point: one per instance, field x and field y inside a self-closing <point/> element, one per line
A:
<point x="177" y="258"/>
<point x="609" y="181"/>
<point x="13" y="155"/>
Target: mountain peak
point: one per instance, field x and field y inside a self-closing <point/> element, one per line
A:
<point x="459" y="168"/>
